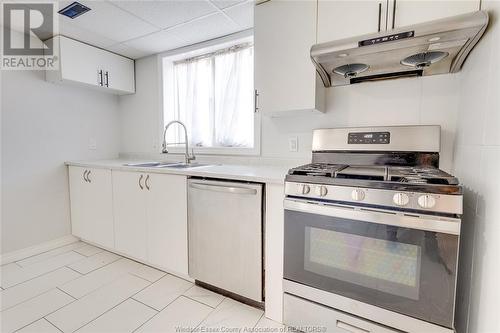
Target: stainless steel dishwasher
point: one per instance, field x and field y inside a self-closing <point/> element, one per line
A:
<point x="225" y="235"/>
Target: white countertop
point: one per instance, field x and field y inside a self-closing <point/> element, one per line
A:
<point x="252" y="173"/>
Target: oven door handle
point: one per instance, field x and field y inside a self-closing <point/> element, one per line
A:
<point x="413" y="221"/>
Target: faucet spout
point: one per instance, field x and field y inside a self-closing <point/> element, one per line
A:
<point x="189" y="157"/>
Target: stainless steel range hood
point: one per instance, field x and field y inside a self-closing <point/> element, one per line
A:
<point x="435" y="47"/>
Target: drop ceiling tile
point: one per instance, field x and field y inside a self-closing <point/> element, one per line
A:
<point x="128" y="51"/>
<point x="242" y="14"/>
<point x="84" y="35"/>
<point x="109" y="21"/>
<point x="213" y="26"/>
<point x="158" y="42"/>
<point x="226" y="3"/>
<point x="164" y="14"/>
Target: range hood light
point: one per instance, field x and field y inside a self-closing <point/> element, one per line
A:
<point x="350" y="70"/>
<point x="424" y="59"/>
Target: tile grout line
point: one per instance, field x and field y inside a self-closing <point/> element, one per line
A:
<point x="56" y="287"/>
<point x="260" y="318"/>
<point x="102" y="314"/>
<point x="34" y="255"/>
<point x="158" y="312"/>
<point x="95" y="269"/>
<point x="149" y="306"/>
<point x="66" y="293"/>
<point x="140" y="277"/>
<point x="205" y="318"/>
<point x="48" y="314"/>
<point x="57" y="328"/>
<point x="81" y="274"/>
<point x="55" y="269"/>
<point x="213" y="307"/>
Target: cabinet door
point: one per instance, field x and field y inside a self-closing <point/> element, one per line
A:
<point x="79" y="62"/>
<point x="130" y="214"/>
<point x="344" y="19"/>
<point x="120" y="73"/>
<point x="285" y="77"/>
<point x="79" y="197"/>
<point x="167" y="222"/>
<point x="91" y="205"/>
<point x="409" y="12"/>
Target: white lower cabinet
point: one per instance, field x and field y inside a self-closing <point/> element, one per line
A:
<point x="91" y="205"/>
<point x="129" y="207"/>
<point x="150" y="212"/>
<point x="166" y="209"/>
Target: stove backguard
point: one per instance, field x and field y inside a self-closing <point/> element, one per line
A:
<point x="420" y="159"/>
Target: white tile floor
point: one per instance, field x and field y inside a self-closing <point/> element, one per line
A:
<point x="82" y="288"/>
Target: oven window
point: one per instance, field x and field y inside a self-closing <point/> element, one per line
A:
<point x="384" y="265"/>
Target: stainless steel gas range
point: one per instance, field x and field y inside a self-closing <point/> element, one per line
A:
<point x="372" y="232"/>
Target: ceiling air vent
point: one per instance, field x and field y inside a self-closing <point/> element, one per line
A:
<point x="74" y="10"/>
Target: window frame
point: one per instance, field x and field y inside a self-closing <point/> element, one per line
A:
<point x="193" y="51"/>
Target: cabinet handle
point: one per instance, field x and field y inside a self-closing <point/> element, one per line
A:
<point x="99" y="77"/>
<point x="256" y="101"/>
<point x="140" y="182"/>
<point x="379" y="15"/>
<point x="88" y="176"/>
<point x="393" y="14"/>
<point x="107" y="79"/>
<point x="85" y="176"/>
<point x="146" y="182"/>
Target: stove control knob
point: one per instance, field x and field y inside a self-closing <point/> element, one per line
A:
<point x="358" y="195"/>
<point x="321" y="191"/>
<point x="304" y="189"/>
<point x="426" y="201"/>
<point x="401" y="199"/>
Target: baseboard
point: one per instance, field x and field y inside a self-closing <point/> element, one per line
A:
<point x="36" y="249"/>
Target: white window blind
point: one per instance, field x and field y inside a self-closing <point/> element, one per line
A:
<point x="213" y="96"/>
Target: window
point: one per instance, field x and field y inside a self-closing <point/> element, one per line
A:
<point x="213" y="94"/>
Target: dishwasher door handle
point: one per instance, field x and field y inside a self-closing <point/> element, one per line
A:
<point x="222" y="188"/>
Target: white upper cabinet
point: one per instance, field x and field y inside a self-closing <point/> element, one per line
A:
<point x="93" y="67"/>
<point x="344" y="19"/>
<point x="285" y="77"/>
<point x="408" y="12"/>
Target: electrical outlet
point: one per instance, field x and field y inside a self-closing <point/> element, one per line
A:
<point x="92" y="144"/>
<point x="293" y="144"/>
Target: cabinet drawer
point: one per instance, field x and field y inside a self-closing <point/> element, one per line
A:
<point x="305" y="315"/>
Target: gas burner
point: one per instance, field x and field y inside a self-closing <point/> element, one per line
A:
<point x="317" y="169"/>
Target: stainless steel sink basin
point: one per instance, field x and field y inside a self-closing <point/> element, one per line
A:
<point x="174" y="165"/>
<point x="150" y="164"/>
<point x="184" y="165"/>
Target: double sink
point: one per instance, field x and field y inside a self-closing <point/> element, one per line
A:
<point x="173" y="165"/>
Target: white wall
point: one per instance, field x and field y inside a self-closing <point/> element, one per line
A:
<point x="429" y="100"/>
<point x="140" y="113"/>
<point x="477" y="164"/>
<point x="44" y="125"/>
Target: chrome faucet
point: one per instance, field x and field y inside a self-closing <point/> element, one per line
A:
<point x="189" y="157"/>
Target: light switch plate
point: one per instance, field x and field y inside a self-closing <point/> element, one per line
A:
<point x="92" y="144"/>
<point x="293" y="144"/>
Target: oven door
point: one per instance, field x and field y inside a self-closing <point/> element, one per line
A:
<point x="403" y="263"/>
